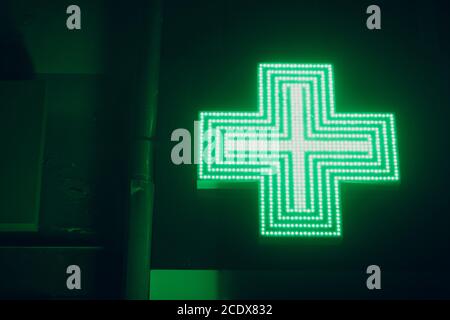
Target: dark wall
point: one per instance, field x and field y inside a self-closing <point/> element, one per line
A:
<point x="91" y="80"/>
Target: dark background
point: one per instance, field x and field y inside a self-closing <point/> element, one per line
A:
<point x="87" y="80"/>
<point x="209" y="58"/>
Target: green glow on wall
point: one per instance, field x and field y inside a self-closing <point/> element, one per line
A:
<point x="299" y="150"/>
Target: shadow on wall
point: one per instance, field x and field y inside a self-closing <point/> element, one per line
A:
<point x="15" y="62"/>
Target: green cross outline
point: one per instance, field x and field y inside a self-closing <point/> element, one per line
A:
<point x="298" y="148"/>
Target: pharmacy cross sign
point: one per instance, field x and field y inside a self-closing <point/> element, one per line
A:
<point x="298" y="148"/>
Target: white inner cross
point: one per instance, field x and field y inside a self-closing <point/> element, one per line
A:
<point x="298" y="145"/>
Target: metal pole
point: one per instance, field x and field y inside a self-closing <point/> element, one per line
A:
<point x="141" y="165"/>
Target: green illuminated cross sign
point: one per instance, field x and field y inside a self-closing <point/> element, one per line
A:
<point x="298" y="148"/>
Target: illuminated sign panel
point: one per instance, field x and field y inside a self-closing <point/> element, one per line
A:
<point x="299" y="149"/>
